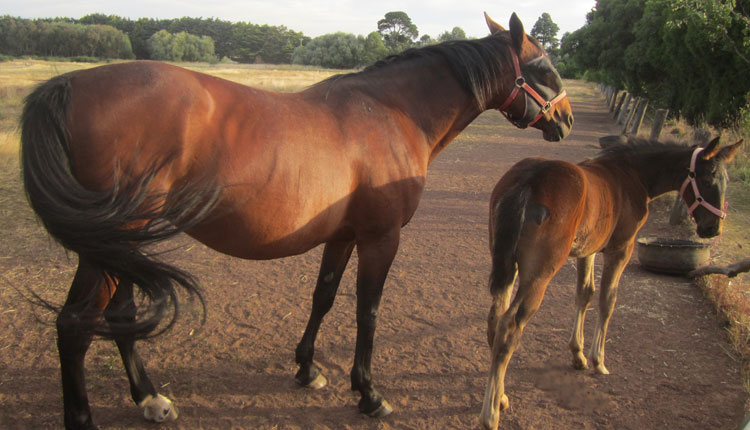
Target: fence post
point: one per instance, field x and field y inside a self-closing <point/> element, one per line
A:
<point x="639" y="114"/>
<point x="619" y="104"/>
<point x="624" y="110"/>
<point x="659" y="118"/>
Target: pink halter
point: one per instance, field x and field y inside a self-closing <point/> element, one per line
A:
<point x="522" y="84"/>
<point x="699" y="201"/>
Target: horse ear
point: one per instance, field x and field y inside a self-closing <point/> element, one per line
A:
<point x="711" y="149"/>
<point x="517" y="34"/>
<point x="726" y="155"/>
<point x="494" y="27"/>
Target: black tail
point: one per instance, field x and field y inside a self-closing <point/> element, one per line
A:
<point x="509" y="215"/>
<point x="109" y="229"/>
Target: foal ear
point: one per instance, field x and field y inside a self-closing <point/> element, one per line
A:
<point x="711" y="149"/>
<point x="517" y="35"/>
<point x="494" y="27"/>
<point x="726" y="155"/>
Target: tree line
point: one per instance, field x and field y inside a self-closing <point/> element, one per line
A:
<point x="207" y="39"/>
<point x="691" y="56"/>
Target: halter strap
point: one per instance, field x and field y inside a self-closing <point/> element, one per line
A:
<point x="521" y="84"/>
<point x="699" y="201"/>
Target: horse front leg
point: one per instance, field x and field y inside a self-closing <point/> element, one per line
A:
<point x="375" y="259"/>
<point x="88" y="296"/>
<point x="584" y="293"/>
<point x="335" y="257"/>
<point x="614" y="263"/>
<point x="121" y="314"/>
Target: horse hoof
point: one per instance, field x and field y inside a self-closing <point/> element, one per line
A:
<point x="159" y="409"/>
<point x="317" y="383"/>
<point x="580" y="364"/>
<point x="383" y="410"/>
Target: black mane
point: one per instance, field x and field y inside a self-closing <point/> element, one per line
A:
<point x="478" y="64"/>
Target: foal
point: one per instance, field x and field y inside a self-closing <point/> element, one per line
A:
<point x="542" y="211"/>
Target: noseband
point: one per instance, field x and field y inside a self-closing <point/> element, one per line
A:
<point x="699" y="201"/>
<point x="521" y="84"/>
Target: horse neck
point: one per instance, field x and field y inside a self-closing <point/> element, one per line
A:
<point x="427" y="92"/>
<point x="661" y="173"/>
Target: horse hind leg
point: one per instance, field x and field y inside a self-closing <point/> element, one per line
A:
<point x="501" y="287"/>
<point x="584" y="294"/>
<point x="121" y="313"/>
<point x="335" y="257"/>
<point x="508" y="333"/>
<point x="88" y="296"/>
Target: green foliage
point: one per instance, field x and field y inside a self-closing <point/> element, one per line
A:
<point x="398" y="31"/>
<point x="691" y="56"/>
<point x="341" y="51"/>
<point x="545" y="31"/>
<point x="456" y="34"/>
<point x="182" y="46"/>
<point x="19" y="37"/>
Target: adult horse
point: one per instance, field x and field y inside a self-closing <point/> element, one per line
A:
<point x="119" y="157"/>
<point x="542" y="211"/>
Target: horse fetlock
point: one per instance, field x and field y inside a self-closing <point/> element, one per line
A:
<point x="158" y="409"/>
<point x="580" y="362"/>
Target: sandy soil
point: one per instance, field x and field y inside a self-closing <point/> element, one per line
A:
<point x="670" y="361"/>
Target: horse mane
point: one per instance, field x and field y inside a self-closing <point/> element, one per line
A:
<point x="638" y="147"/>
<point x="478" y="64"/>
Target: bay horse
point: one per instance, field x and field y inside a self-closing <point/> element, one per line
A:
<point x="119" y="157"/>
<point x="542" y="211"/>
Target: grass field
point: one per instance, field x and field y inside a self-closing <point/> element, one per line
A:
<point x="731" y="297"/>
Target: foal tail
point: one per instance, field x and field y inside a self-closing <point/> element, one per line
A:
<point x="108" y="229"/>
<point x="508" y="218"/>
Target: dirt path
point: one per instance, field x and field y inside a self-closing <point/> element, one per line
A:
<point x="667" y="350"/>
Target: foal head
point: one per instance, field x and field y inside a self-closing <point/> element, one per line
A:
<point x="703" y="189"/>
<point x="536" y="97"/>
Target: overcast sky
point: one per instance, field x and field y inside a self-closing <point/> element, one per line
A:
<point x="317" y="17"/>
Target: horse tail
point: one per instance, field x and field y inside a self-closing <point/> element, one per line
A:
<point x="509" y="215"/>
<point x="109" y="229"/>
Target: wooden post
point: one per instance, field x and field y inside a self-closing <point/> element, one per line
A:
<point x="659" y="118"/>
<point x="639" y="114"/>
<point x="631" y="113"/>
<point x="619" y="104"/>
<point x="613" y="99"/>
<point x="624" y="110"/>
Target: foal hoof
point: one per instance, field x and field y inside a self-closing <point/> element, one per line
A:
<point x="159" y="409"/>
<point x="381" y="411"/>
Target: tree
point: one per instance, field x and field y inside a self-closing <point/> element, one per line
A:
<point x="545" y="31"/>
<point x="456" y="34"/>
<point x="397" y="30"/>
<point x="374" y="49"/>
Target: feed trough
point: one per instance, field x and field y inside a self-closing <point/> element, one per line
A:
<point x="674" y="256"/>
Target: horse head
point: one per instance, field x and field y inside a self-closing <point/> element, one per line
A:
<point x="703" y="189"/>
<point x="543" y="104"/>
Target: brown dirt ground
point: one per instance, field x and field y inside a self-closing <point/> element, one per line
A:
<point x="667" y="351"/>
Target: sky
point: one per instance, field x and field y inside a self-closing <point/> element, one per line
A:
<point x="318" y="17"/>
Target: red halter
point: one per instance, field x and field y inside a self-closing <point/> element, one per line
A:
<point x="699" y="201"/>
<point x="522" y="84"/>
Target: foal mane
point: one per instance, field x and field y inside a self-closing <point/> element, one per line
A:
<point x="477" y="64"/>
<point x="637" y="148"/>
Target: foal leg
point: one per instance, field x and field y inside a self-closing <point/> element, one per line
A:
<point x="502" y="290"/>
<point x="335" y="257"/>
<point x="614" y="264"/>
<point x="507" y="338"/>
<point x="87" y="298"/>
<point x="375" y="258"/>
<point x="121" y="312"/>
<point x="584" y="293"/>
